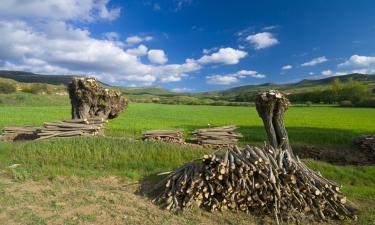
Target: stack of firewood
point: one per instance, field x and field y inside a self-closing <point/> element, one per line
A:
<point x="71" y="128"/>
<point x="18" y="133"/>
<point x="169" y="136"/>
<point x="65" y="128"/>
<point x="255" y="180"/>
<point x="366" y="142"/>
<point x="217" y="137"/>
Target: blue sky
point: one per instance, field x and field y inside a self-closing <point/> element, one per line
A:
<point x="189" y="45"/>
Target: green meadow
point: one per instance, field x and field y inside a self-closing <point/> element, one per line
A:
<point x="123" y="155"/>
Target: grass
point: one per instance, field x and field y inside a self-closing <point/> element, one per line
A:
<point x="96" y="157"/>
<point x="27" y="99"/>
<point x="126" y="158"/>
<point x="320" y="125"/>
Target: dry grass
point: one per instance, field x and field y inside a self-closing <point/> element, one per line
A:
<point x="106" y="200"/>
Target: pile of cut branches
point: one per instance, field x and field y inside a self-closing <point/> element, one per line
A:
<point x="169" y="136"/>
<point x="217" y="137"/>
<point x="255" y="180"/>
<point x="366" y="142"/>
<point x="65" y="128"/>
<point x="269" y="181"/>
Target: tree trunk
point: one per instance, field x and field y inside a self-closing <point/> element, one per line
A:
<point x="271" y="107"/>
<point x="89" y="100"/>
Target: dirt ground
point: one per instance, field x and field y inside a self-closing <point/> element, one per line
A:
<point x="96" y="201"/>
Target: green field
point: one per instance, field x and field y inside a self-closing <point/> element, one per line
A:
<point x="316" y="125"/>
<point x="121" y="154"/>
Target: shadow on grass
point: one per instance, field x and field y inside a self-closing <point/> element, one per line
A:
<point x="149" y="186"/>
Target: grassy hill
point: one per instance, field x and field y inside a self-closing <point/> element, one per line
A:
<point x="26" y="77"/>
<point x="301" y="86"/>
<point x="234" y="96"/>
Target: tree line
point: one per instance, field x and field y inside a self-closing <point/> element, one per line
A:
<point x="349" y="93"/>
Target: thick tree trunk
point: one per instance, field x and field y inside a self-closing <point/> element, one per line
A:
<point x="271" y="106"/>
<point x="90" y="100"/>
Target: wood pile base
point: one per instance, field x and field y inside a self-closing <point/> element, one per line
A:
<point x="169" y="136"/>
<point x="217" y="137"/>
<point x="65" y="128"/>
<point x="264" y="181"/>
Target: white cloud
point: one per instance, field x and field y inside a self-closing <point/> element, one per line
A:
<point x="137" y="39"/>
<point x="222" y="79"/>
<point x="112" y="36"/>
<point x="134" y="40"/>
<point x="181" y="90"/>
<point x="248" y="73"/>
<point x="56" y="43"/>
<point x="22" y="47"/>
<point x="207" y="51"/>
<point x="270" y="27"/>
<point x="224" y="55"/>
<point x="315" y="61"/>
<point x="358" y="64"/>
<point x="262" y="40"/>
<point x="141" y="50"/>
<point x="357" y="61"/>
<point x="86" y="10"/>
<point x="327" y="73"/>
<point x="287" y="67"/>
<point x="227" y="79"/>
<point x="157" y="56"/>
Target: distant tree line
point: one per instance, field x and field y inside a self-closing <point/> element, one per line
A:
<point x="8" y="87"/>
<point x="351" y="93"/>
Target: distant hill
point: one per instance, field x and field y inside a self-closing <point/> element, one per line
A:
<point x="301" y="86"/>
<point x="152" y="90"/>
<point x="229" y="95"/>
<point x="26" y="77"/>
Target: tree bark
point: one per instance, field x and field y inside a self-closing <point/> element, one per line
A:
<point x="271" y="106"/>
<point x="89" y="100"/>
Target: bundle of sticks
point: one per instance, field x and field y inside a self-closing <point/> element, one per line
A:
<point x="256" y="180"/>
<point x="71" y="128"/>
<point x="366" y="142"/>
<point x="18" y="133"/>
<point x="169" y="136"/>
<point x="65" y="128"/>
<point x="217" y="137"/>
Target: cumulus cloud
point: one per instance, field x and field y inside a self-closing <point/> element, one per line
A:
<point x="358" y="64"/>
<point x="181" y="90"/>
<point x="232" y="78"/>
<point x="315" y="61"/>
<point x="287" y="67"/>
<point x="327" y="73"/>
<point x="222" y="79"/>
<point x="87" y="10"/>
<point x="137" y="39"/>
<point x="141" y="50"/>
<point x="262" y="40"/>
<point x="53" y="43"/>
<point x="157" y="56"/>
<point x="224" y="55"/>
<point x="358" y="61"/>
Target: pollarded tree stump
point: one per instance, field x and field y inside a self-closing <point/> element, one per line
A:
<point x="90" y="100"/>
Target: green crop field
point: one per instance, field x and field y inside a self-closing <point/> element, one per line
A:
<point x="121" y="154"/>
